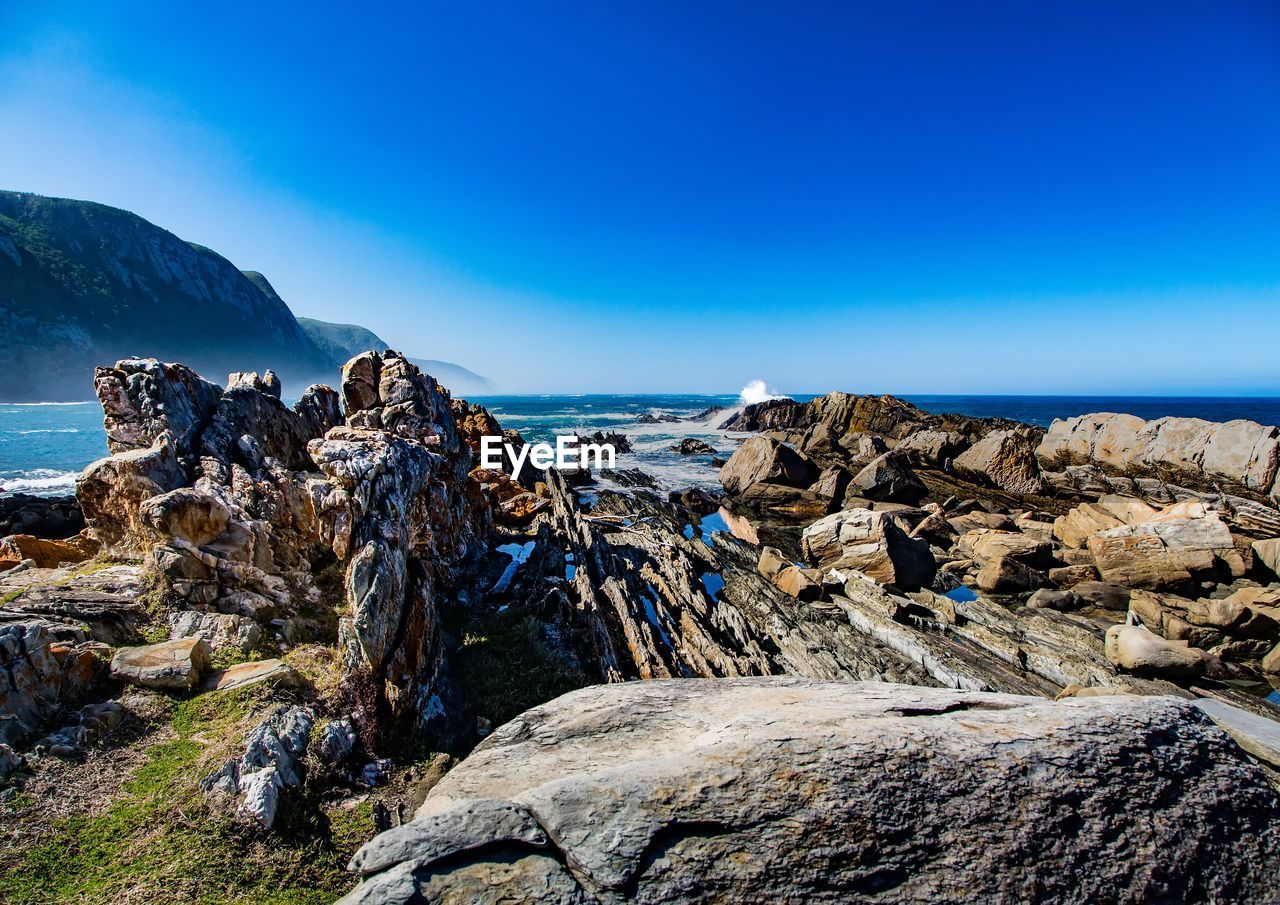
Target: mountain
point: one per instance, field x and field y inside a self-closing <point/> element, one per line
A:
<point x="342" y="341"/>
<point x="83" y="284"/>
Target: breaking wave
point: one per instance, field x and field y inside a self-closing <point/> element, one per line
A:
<point x="757" y="391"/>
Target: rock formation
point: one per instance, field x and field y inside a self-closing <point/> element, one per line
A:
<point x="788" y="789"/>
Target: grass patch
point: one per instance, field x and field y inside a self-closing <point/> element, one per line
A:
<point x="161" y="839"/>
<point x="505" y="668"/>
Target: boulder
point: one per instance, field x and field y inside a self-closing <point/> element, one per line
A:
<point x="831" y="483"/>
<point x="1144" y="653"/>
<point x="1271" y="662"/>
<point x="909" y="791"/>
<point x="268" y="383"/>
<point x="1005" y="459"/>
<point x="1267" y="552"/>
<point x="169" y="664"/>
<point x="195" y="516"/>
<point x="871" y="543"/>
<point x="1182" y="543"/>
<point x="47" y="554"/>
<point x="931" y="448"/>
<point x="690" y="446"/>
<point x="763" y="460"/>
<point x="274" y="671"/>
<point x="888" y="478"/>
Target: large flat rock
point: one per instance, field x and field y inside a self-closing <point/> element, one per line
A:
<point x="785" y="789"/>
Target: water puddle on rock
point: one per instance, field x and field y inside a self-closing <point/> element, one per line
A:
<point x="962" y="594"/>
<point x="519" y="554"/>
<point x="707" y="527"/>
<point x="713" y="583"/>
<point x="570" y="569"/>
<point x="651" y="613"/>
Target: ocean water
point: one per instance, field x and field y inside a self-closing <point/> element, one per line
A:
<point x="44" y="446"/>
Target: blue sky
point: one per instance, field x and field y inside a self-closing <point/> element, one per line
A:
<point x="592" y="197"/>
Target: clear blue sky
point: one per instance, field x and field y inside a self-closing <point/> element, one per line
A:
<point x="1071" y="197"/>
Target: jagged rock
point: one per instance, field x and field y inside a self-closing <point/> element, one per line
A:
<point x="821" y="441"/>
<point x="762" y="460"/>
<point x="888" y="478"/>
<point x="267" y="383"/>
<point x="219" y="630"/>
<point x="271" y="764"/>
<point x="803" y="584"/>
<point x="52" y="518"/>
<point x="1267" y="552"/>
<point x="143" y="398"/>
<point x="338" y="741"/>
<point x="169" y="664"/>
<point x="1111" y="511"/>
<point x="618" y="441"/>
<point x="111" y="492"/>
<point x="41" y="672"/>
<point x="1242" y="452"/>
<point x="1004" y="458"/>
<point x="274" y="430"/>
<point x="1182" y="543"/>
<point x="569" y="803"/>
<point x="320" y="409"/>
<point x="1142" y="652"/>
<point x="46" y="554"/>
<point x="871" y="543"/>
<point x="831" y="484"/>
<point x="931" y="448"/>
<point x="690" y="446"/>
<point x="275" y="671"/>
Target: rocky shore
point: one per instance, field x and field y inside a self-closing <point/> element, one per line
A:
<point x="942" y="658"/>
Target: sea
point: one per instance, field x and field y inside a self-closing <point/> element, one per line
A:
<point x="43" y="446"/>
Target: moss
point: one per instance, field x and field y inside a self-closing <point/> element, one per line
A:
<point x="162" y="839"/>
<point x="505" y="667"/>
<point x="12" y="596"/>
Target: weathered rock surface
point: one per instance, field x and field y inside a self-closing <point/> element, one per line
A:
<point x="888" y="478"/>
<point x="42" y="668"/>
<point x="169" y="664"/>
<point x="1004" y="458"/>
<point x="272" y="762"/>
<point x="1120" y="798"/>
<point x="1181" y="543"/>
<point x="871" y="543"/>
<point x="46" y="554"/>
<point x="763" y="460"/>
<point x="219" y="630"/>
<point x="1240" y="452"/>
<point x="143" y="398"/>
<point x="274" y="671"/>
